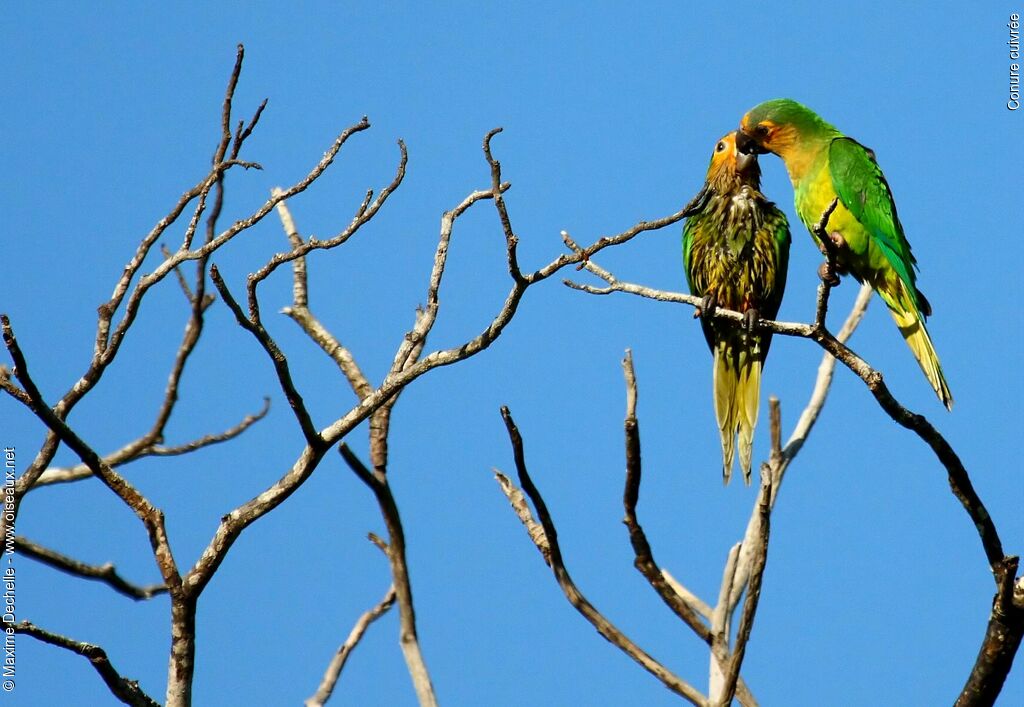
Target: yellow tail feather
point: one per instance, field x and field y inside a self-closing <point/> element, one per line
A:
<point x="737" y="392"/>
<point x="912" y="327"/>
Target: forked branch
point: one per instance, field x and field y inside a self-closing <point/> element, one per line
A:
<point x="377" y="482"/>
<point x="105" y="573"/>
<point x="549" y="548"/>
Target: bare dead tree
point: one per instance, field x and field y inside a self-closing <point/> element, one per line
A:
<point x="199" y="209"/>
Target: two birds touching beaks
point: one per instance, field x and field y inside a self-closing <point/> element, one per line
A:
<point x="736" y="251"/>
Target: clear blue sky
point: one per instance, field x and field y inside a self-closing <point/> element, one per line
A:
<point x="876" y="582"/>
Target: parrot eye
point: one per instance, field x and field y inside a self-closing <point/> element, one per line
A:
<point x="761" y="130"/>
<point x="719" y="147"/>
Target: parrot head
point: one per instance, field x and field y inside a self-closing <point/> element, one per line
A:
<point x="781" y="126"/>
<point x="732" y="168"/>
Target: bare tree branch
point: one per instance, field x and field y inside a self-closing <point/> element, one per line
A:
<point x="406" y="369"/>
<point x="1006" y="628"/>
<point x="521" y="508"/>
<point x="1002" y="640"/>
<point x="254" y="326"/>
<point x="300" y="313"/>
<point x="337" y="664"/>
<point x="721" y="624"/>
<point x="408" y="638"/>
<point x="760" y="555"/>
<point x="511" y="240"/>
<point x="107" y="342"/>
<point x="959" y="480"/>
<point x="364" y="214"/>
<point x="698" y="604"/>
<point x="425" y="321"/>
<point x="376" y="480"/>
<point x="150" y="516"/>
<point x="182" y="282"/>
<point x="644" y="561"/>
<point x="127" y="691"/>
<point x="828" y="270"/>
<point x="137" y="449"/>
<point x="106" y="573"/>
<point x="608" y="630"/>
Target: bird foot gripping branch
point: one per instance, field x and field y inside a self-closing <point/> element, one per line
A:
<point x="706" y="308"/>
<point x="829" y="273"/>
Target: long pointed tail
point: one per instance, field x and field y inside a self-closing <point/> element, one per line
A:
<point x="737" y="388"/>
<point x="911" y="325"/>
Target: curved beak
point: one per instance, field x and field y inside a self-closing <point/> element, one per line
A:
<point x="745" y="161"/>
<point x="747" y="145"/>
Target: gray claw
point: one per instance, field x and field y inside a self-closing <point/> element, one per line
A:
<point x="750" y="319"/>
<point x="707" y="307"/>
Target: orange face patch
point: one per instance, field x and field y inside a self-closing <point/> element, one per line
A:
<point x="725" y="150"/>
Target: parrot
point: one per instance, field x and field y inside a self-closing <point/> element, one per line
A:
<point x="735" y="256"/>
<point x="867" y="237"/>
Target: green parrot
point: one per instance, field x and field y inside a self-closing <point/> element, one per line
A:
<point x="823" y="165"/>
<point x="735" y="253"/>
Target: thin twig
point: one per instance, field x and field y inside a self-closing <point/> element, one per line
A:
<point x="151" y="517"/>
<point x="127" y="691"/>
<point x="137" y="449"/>
<point x="299" y="310"/>
<point x="277" y="357"/>
<point x="182" y="282"/>
<point x="337" y="664"/>
<point x="303" y="248"/>
<point x="721" y="619"/>
<point x="760" y="555"/>
<point x="105" y="573"/>
<point x="425" y="320"/>
<point x="829" y="278"/>
<point x="644" y="560"/>
<point x="377" y="482"/>
<point x="511" y="240"/>
<point x="698" y="604"/>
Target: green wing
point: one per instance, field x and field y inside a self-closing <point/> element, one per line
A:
<point x="779" y="227"/>
<point x="689" y="233"/>
<point x="863" y="190"/>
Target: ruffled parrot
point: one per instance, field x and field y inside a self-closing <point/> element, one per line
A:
<point x="868" y="239"/>
<point x="735" y="253"/>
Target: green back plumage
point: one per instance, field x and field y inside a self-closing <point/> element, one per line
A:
<point x="824" y="164"/>
<point x="827" y="164"/>
<point x="861" y="186"/>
